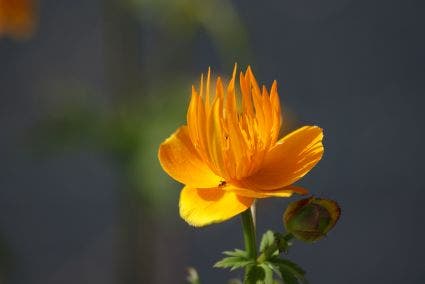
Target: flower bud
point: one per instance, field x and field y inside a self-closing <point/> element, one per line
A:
<point x="311" y="219"/>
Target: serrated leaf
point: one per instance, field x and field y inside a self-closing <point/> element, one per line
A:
<point x="272" y="244"/>
<point x="268" y="273"/>
<point x="256" y="275"/>
<point x="283" y="242"/>
<point x="236" y="252"/>
<point x="293" y="266"/>
<point x="267" y="240"/>
<point x="236" y="259"/>
<point x="229" y="261"/>
<point x="289" y="270"/>
<point x="242" y="264"/>
<point x="289" y="279"/>
<point x="274" y="268"/>
<point x="233" y="262"/>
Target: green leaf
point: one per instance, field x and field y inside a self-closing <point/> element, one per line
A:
<point x="283" y="242"/>
<point x="192" y="277"/>
<point x="297" y="270"/>
<point x="267" y="240"/>
<point x="261" y="274"/>
<point x="236" y="259"/>
<point x="274" y="268"/>
<point x="233" y="263"/>
<point x="268" y="273"/>
<point x="289" y="279"/>
<point x="256" y="275"/>
<point x="236" y="252"/>
<point x="272" y="244"/>
<point x="289" y="271"/>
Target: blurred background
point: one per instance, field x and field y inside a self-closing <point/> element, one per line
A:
<point x="89" y="89"/>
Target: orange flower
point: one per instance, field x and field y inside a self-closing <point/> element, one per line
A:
<point x="229" y="154"/>
<point x="17" y="18"/>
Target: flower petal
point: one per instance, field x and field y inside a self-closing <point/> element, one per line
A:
<point x="181" y="161"/>
<point x="200" y="207"/>
<point x="289" y="160"/>
<point x="282" y="192"/>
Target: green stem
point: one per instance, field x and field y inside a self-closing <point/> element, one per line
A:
<point x="249" y="236"/>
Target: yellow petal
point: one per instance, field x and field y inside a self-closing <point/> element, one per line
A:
<point x="282" y="192"/>
<point x="181" y="161"/>
<point x="200" y="207"/>
<point x="289" y="160"/>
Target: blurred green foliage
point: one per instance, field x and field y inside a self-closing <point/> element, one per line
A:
<point x="148" y="49"/>
<point x="130" y="125"/>
<point x="6" y="259"/>
<point x="128" y="133"/>
<point x="184" y="18"/>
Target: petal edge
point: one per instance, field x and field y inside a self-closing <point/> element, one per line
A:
<point x="201" y="207"/>
<point x="180" y="160"/>
<point x="287" y="191"/>
<point x="289" y="160"/>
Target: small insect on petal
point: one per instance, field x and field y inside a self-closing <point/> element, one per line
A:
<point x="229" y="153"/>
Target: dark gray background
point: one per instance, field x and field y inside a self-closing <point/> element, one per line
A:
<point x="356" y="68"/>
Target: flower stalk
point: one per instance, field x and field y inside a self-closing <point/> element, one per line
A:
<point x="249" y="235"/>
<point x="229" y="154"/>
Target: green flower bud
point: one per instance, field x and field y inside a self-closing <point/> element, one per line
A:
<point x="311" y="219"/>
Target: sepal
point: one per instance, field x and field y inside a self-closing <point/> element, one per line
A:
<point x="310" y="219"/>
